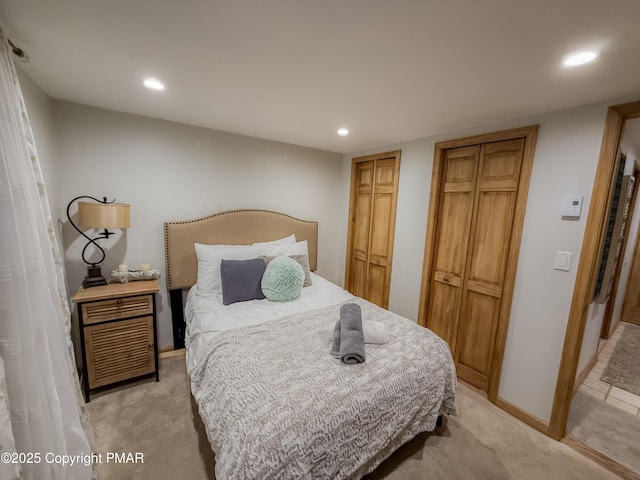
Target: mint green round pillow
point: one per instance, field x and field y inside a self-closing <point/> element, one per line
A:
<point x="282" y="280"/>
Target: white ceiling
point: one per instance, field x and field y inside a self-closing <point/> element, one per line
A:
<point x="297" y="70"/>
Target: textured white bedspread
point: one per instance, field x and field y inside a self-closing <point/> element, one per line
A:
<point x="207" y="317"/>
<point x="277" y="405"/>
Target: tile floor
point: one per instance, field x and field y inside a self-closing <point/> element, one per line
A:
<point x="595" y="387"/>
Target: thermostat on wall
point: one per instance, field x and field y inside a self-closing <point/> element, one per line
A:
<point x="572" y="206"/>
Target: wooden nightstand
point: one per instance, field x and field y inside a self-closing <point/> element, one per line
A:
<point x="117" y="332"/>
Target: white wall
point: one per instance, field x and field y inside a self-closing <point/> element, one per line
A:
<point x="591" y="336"/>
<point x="168" y="172"/>
<point x="40" y="111"/>
<point x="565" y="162"/>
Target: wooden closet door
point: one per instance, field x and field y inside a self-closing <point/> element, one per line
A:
<point x="492" y="224"/>
<point x="381" y="233"/>
<point x="475" y="220"/>
<point x="361" y="221"/>
<point x="452" y="239"/>
<point x="479" y="190"/>
<point x="372" y="215"/>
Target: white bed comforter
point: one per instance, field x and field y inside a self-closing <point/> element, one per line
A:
<point x="207" y="317"/>
<point x="277" y="405"/>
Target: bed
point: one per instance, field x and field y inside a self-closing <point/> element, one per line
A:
<point x="275" y="403"/>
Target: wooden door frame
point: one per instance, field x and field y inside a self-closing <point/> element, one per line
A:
<point x="395" y="154"/>
<point x="587" y="265"/>
<point x="605" y="329"/>
<point x="530" y="135"/>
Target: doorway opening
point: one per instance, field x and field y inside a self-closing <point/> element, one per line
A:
<point x="607" y="388"/>
<point x="593" y="240"/>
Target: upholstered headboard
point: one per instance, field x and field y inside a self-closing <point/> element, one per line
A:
<point x="234" y="227"/>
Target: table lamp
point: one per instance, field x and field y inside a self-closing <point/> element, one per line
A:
<point x="101" y="215"/>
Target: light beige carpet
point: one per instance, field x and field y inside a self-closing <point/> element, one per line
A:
<point x="160" y="420"/>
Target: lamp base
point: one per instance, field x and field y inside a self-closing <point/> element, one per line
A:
<point x="94" y="277"/>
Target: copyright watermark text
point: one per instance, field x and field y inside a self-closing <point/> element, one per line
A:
<point x="66" y="460"/>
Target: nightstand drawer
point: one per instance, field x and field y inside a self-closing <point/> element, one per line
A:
<point x="120" y="350"/>
<point x="116" y="308"/>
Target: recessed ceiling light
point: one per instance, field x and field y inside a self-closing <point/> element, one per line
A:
<point x="580" y="58"/>
<point x="343" y="132"/>
<point x="153" y="84"/>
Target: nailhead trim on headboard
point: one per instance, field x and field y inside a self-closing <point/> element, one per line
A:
<point x="259" y="230"/>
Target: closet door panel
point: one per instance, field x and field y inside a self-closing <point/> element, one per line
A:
<point x="383" y="210"/>
<point x="453" y="236"/>
<point x="361" y="226"/>
<point x="501" y="162"/>
<point x="477" y="332"/>
<point x="492" y="234"/>
<point x="381" y="232"/>
<point x="454" y="223"/>
<point x="382" y="205"/>
<point x="385" y="172"/>
<point x="362" y="214"/>
<point x="359" y="274"/>
<point x="376" y="284"/>
<point x="361" y="222"/>
<point x="379" y="255"/>
<point x="494" y="206"/>
<point x="445" y="302"/>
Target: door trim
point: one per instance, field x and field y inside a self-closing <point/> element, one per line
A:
<point x="589" y="259"/>
<point x="351" y="219"/>
<point x="530" y="135"/>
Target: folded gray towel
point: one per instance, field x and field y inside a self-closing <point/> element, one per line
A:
<point x="335" y="345"/>
<point x="374" y="332"/>
<point x="348" y="337"/>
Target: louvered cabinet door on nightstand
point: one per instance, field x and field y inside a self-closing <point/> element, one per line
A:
<point x="118" y="332"/>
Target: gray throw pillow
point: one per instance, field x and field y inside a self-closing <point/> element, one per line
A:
<point x="303" y="260"/>
<point x="241" y="280"/>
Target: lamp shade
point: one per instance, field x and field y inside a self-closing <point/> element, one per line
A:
<point x="103" y="215"/>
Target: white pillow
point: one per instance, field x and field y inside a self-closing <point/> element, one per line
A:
<point x="281" y="241"/>
<point x="209" y="259"/>
<point x="298" y="248"/>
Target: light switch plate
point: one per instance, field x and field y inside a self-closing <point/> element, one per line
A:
<point x="563" y="261"/>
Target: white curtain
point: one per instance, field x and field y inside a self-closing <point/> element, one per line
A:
<point x="39" y="388"/>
